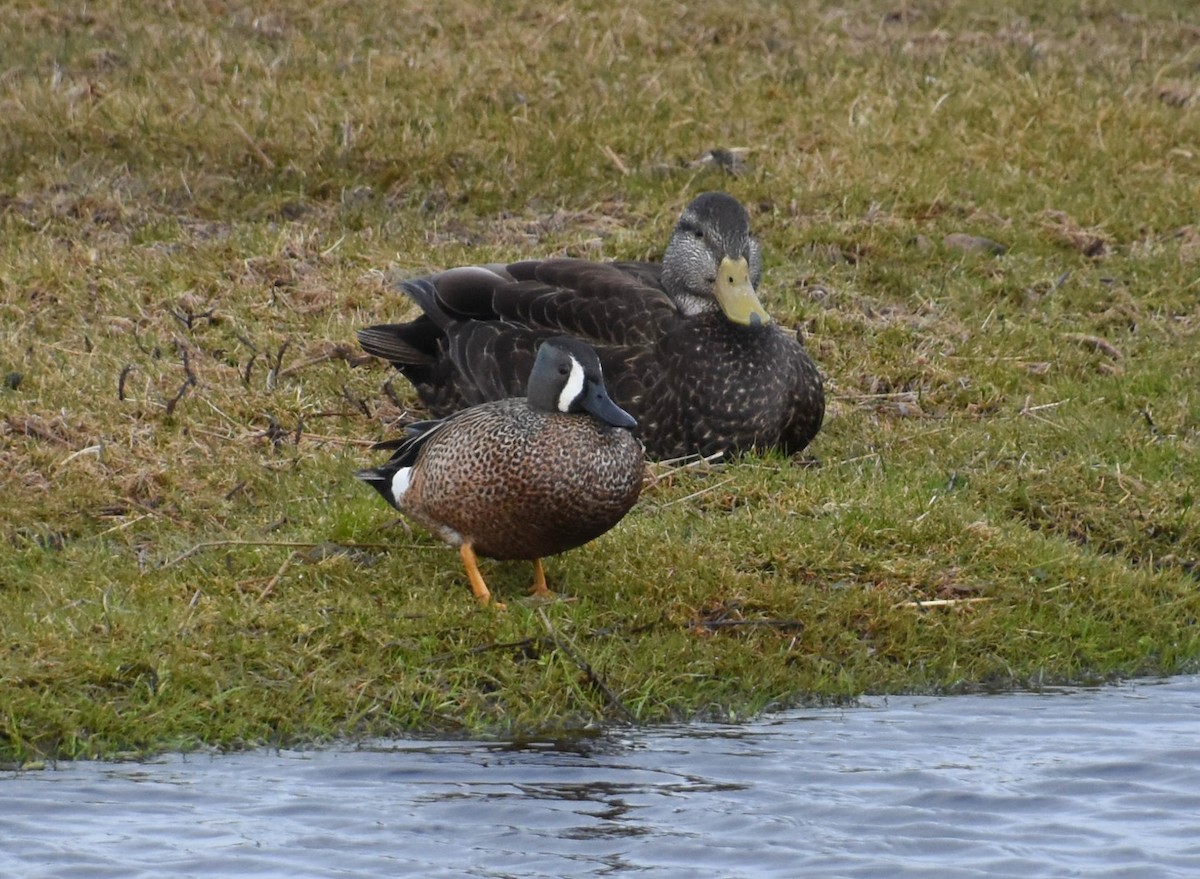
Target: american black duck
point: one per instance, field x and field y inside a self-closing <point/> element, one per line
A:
<point x="686" y="346"/>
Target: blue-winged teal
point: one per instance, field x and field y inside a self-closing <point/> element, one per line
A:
<point x="521" y="478"/>
<point x="686" y="345"/>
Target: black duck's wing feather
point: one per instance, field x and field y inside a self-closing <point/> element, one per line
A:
<point x="446" y="300"/>
<point x="424" y="349"/>
<point x="465" y="292"/>
<point x="648" y="274"/>
<point x="629" y="371"/>
<point x="492" y="360"/>
<point x="598" y="302"/>
<point x="416" y="435"/>
<point x="411" y="430"/>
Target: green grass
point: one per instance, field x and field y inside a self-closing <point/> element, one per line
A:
<point x="199" y="207"/>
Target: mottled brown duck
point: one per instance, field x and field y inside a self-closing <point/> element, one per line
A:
<point x="521" y="478"/>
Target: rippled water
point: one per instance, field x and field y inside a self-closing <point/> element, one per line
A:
<point x="1095" y="783"/>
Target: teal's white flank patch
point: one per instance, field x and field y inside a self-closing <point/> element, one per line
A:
<point x="400" y="483"/>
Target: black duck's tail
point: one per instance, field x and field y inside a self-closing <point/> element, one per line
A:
<point x="412" y="344"/>
<point x="403" y="345"/>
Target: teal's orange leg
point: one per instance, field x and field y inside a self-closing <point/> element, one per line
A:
<point x="538" y="589"/>
<point x="471" y="563"/>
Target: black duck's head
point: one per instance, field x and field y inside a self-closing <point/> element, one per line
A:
<point x="566" y="377"/>
<point x="712" y="261"/>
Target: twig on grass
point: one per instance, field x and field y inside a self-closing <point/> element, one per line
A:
<point x="611" y="155"/>
<point x="674" y="465"/>
<point x="270" y="587"/>
<point x="941" y="602"/>
<point x="696" y="494"/>
<point x="121" y="526"/>
<point x="332" y="352"/>
<point x="189" y="380"/>
<point x="308" y="437"/>
<point x="1031" y="412"/>
<point x="781" y="625"/>
<point x="1105" y="347"/>
<point x="527" y="644"/>
<point x="97" y="450"/>
<point x="262" y="157"/>
<point x="125" y="370"/>
<point x="658" y="471"/>
<point x="524" y="644"/>
<point x="212" y="544"/>
<point x="182" y="348"/>
<point x="614" y="701"/>
<point x="174" y="401"/>
<point x="275" y="371"/>
<point x="390" y="393"/>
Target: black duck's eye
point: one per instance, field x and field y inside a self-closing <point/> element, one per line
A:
<point x="699" y="234"/>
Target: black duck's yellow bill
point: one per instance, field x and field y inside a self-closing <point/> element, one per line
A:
<point x="735" y="294"/>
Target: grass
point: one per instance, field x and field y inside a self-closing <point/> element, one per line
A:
<point x="199" y="207"/>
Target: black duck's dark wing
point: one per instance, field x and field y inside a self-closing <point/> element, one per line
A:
<point x="602" y="303"/>
<point x="412" y="430"/>
<point x="446" y="300"/>
<point x="410" y="344"/>
<point x="456" y="354"/>
<point x="478" y="335"/>
<point x="648" y="274"/>
<point x="492" y="360"/>
<point x="414" y="348"/>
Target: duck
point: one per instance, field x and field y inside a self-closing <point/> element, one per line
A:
<point x="687" y="348"/>
<point x="522" y="477"/>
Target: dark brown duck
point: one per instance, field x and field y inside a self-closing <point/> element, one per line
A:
<point x="686" y="346"/>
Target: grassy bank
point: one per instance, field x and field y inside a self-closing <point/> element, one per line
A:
<point x="198" y="208"/>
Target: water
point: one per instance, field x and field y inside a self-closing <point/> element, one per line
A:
<point x="1096" y="783"/>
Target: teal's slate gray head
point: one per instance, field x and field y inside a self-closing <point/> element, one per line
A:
<point x="567" y="377"/>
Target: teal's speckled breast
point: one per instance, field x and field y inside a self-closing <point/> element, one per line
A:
<point x="522" y="484"/>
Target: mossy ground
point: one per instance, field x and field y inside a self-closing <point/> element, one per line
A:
<point x="199" y="204"/>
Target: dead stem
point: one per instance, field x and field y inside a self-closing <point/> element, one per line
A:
<point x="213" y="544"/>
<point x="594" y="679"/>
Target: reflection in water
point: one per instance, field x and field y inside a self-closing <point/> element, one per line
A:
<point x="1102" y="782"/>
